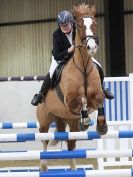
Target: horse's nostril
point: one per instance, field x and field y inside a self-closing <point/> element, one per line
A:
<point x="88" y="47"/>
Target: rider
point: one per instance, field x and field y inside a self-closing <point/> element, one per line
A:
<point x="63" y="49"/>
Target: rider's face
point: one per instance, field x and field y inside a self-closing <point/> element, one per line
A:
<point x="66" y="28"/>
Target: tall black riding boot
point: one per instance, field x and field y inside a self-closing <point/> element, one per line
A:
<point x="106" y="91"/>
<point x="38" y="98"/>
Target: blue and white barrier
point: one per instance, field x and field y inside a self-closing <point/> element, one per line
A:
<point x="51" y="169"/>
<point x="37" y="155"/>
<point x="63" y="136"/>
<point x="25" y="125"/>
<point x="10" y="125"/>
<point x="72" y="173"/>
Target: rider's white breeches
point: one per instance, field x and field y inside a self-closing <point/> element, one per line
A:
<point x="54" y="64"/>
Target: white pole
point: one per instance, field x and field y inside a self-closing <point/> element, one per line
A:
<point x="36" y="155"/>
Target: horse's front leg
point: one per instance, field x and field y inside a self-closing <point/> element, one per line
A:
<point x="71" y="144"/>
<point x="101" y="127"/>
<point x="43" y="163"/>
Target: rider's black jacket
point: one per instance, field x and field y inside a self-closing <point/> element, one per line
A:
<point x="60" y="46"/>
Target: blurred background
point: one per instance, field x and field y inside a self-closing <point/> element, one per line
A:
<point x="26" y="28"/>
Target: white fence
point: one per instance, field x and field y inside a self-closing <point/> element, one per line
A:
<point x="119" y="113"/>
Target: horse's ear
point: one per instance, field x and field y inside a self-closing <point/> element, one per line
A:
<point x="75" y="12"/>
<point x="93" y="10"/>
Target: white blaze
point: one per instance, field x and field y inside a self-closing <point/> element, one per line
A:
<point x="90" y="41"/>
<point x="88" y="23"/>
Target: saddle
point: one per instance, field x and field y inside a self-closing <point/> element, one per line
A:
<point x="57" y="74"/>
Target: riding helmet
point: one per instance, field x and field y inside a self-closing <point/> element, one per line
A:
<point x="64" y="17"/>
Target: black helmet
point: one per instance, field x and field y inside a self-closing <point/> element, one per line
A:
<point x="64" y="17"/>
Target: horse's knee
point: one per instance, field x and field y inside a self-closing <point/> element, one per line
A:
<point x="71" y="144"/>
<point x="43" y="129"/>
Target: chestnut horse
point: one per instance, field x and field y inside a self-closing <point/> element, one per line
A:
<point x="80" y="84"/>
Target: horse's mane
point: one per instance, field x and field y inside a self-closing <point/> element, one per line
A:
<point x="84" y="10"/>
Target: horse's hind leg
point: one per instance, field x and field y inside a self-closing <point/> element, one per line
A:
<point x="71" y="144"/>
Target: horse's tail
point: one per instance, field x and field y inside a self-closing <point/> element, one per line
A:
<point x="60" y="127"/>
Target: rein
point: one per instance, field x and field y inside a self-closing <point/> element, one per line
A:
<point x="84" y="71"/>
<point x="79" y="47"/>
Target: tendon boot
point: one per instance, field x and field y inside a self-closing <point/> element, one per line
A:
<point x="106" y="91"/>
<point x="38" y="98"/>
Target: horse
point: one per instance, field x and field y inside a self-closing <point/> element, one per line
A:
<point x="80" y="85"/>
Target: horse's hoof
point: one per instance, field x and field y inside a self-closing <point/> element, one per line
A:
<point x="83" y="127"/>
<point x="73" y="168"/>
<point x="43" y="167"/>
<point x="102" y="128"/>
<point x="73" y="164"/>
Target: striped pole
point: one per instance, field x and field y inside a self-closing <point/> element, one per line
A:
<point x="22" y="137"/>
<point x="50" y="168"/>
<point x="22" y="78"/>
<point x="30" y="78"/>
<point x="36" y="155"/>
<point x="73" y="173"/>
<point x="25" y="125"/>
<point x="10" y="125"/>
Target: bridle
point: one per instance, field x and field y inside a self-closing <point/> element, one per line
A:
<point x="87" y="37"/>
